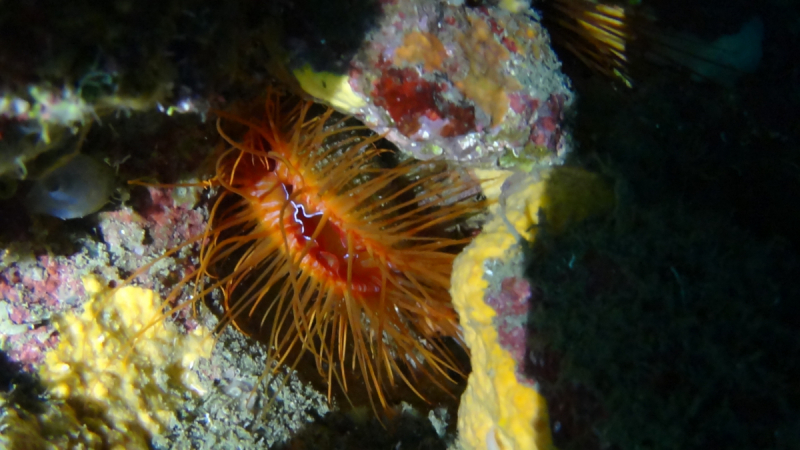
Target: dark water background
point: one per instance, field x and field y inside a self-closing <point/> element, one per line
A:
<point x="676" y="326"/>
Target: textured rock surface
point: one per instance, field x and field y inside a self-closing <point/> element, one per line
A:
<point x="472" y="84"/>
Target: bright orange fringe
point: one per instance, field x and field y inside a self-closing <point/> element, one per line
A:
<point x="334" y="254"/>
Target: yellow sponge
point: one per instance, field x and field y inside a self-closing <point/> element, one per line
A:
<point x="497" y="411"/>
<point x="117" y="381"/>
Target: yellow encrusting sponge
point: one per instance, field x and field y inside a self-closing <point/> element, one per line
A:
<point x="498" y="411"/>
<point x="120" y="383"/>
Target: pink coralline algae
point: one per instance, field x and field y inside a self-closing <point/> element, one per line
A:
<point x="28" y="349"/>
<point x="42" y="283"/>
<point x="32" y="290"/>
<point x="547" y="132"/>
<point x="471" y="84"/>
<point x="39" y="284"/>
<point x="512" y="304"/>
<point x="159" y="221"/>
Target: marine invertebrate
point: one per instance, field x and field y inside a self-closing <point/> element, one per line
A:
<point x="496" y="408"/>
<point x="609" y="38"/>
<point x="326" y="251"/>
<point x="113" y="392"/>
<point x="596" y="33"/>
<point x="502" y="406"/>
